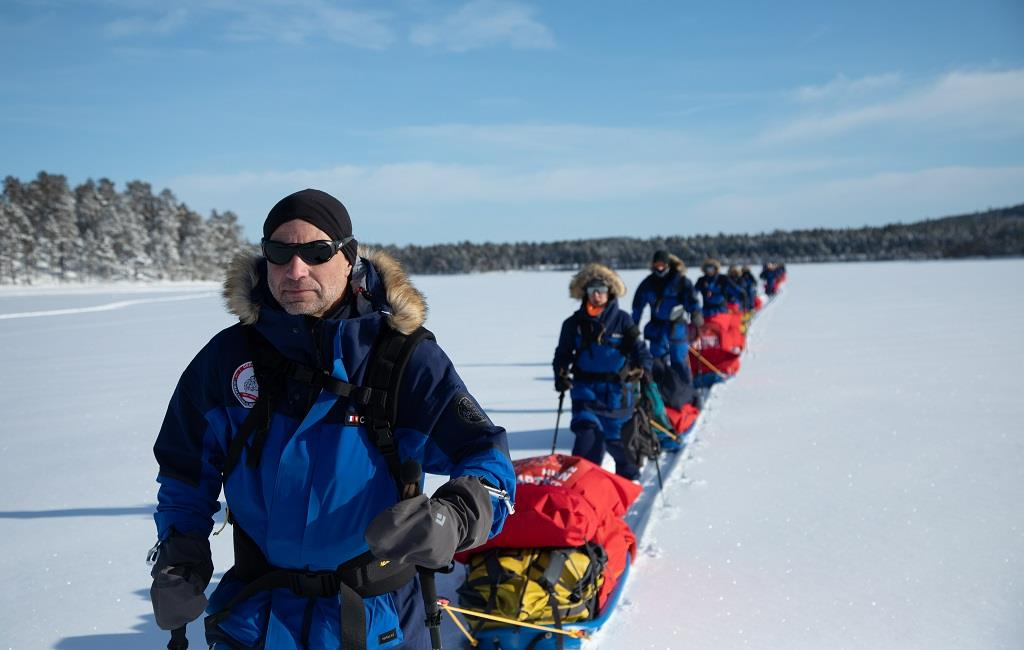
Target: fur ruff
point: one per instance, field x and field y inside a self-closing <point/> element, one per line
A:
<point x="577" y="286"/>
<point x="408" y="307"/>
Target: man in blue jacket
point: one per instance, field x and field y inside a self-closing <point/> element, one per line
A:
<point x="672" y="300"/>
<point x="600" y="356"/>
<point x="284" y="410"/>
<point x="716" y="290"/>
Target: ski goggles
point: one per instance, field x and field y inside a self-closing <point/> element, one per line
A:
<point x="312" y="253"/>
<point x="597" y="288"/>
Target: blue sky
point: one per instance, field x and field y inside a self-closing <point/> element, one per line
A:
<point x="511" y="121"/>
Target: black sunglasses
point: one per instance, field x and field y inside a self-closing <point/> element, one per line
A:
<point x="312" y="253"/>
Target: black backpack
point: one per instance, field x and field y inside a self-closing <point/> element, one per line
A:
<point x="638" y="437"/>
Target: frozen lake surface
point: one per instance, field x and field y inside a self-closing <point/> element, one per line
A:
<point x="858" y="485"/>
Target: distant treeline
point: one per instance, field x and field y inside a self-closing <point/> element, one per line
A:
<point x="994" y="233"/>
<point x="49" y="230"/>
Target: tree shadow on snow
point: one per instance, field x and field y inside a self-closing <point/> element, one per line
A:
<point x="79" y="512"/>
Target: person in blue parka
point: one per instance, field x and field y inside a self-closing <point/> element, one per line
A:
<point x="716" y="289"/>
<point x="770" y="273"/>
<point x="326" y="545"/>
<point x="599" y="358"/>
<point x="749" y="284"/>
<point x="672" y="300"/>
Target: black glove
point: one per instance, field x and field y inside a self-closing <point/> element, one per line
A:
<point x="180" y="575"/>
<point x="697" y="318"/>
<point x="562" y="383"/>
<point x="428" y="532"/>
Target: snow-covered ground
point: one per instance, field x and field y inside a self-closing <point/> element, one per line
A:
<point x="858" y="485"/>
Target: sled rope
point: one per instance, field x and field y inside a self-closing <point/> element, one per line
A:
<point x="448" y="607"/>
<point x="659" y="427"/>
<point x="702" y="359"/>
<point x="455" y="619"/>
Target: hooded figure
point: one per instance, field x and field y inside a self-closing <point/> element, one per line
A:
<point x="599" y="357"/>
<point x="749" y="285"/>
<point x="716" y="290"/>
<point x="672" y="300"/>
<point x="326" y="547"/>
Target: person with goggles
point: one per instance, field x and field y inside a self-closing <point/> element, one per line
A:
<point x="599" y="357"/>
<point x="283" y="411"/>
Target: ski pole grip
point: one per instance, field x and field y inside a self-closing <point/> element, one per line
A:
<point x="178" y="639"/>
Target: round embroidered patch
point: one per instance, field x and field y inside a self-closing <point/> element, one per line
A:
<point x="469" y="411"/>
<point x="243" y="383"/>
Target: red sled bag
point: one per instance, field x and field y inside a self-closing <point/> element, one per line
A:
<point x="606" y="492"/>
<point x="618" y="540"/>
<point x="682" y="419"/>
<point x="546" y="515"/>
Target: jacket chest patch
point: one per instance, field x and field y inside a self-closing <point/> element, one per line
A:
<point x="244" y="386"/>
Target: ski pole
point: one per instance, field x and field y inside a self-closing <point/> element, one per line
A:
<point x="178" y="639"/>
<point x="412" y="472"/>
<point x="558" y="419"/>
<point x="657" y="466"/>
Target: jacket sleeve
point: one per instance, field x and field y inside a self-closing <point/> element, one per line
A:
<point x="565" y="352"/>
<point x="640" y="355"/>
<point x="453" y="435"/>
<point x="190" y="451"/>
<point x="688" y="296"/>
<point x="731" y="290"/>
<point x="640" y="300"/>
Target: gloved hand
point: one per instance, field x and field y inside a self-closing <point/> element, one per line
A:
<point x="697" y="318"/>
<point x="562" y="383"/>
<point x="180" y="575"/>
<point x="428" y="532"/>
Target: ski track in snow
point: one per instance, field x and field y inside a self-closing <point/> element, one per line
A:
<point x="856" y="486"/>
<point x="110" y="306"/>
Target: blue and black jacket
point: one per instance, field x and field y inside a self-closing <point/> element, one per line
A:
<point x="597" y="350"/>
<point x="716" y="292"/>
<point x="664" y="294"/>
<point x="320" y="480"/>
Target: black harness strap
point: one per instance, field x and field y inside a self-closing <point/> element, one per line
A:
<point x="383" y="379"/>
<point x="362" y="576"/>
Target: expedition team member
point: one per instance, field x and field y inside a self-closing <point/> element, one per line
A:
<point x="599" y="358"/>
<point x="284" y="410"/>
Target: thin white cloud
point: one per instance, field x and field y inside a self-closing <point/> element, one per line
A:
<point x="484" y="23"/>
<point x="284" y="21"/>
<point x="162" y="25"/>
<point x="986" y="101"/>
<point x="295" y="25"/>
<point x="842" y="87"/>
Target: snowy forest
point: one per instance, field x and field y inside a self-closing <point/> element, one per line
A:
<point x="51" y="231"/>
<point x="993" y="233"/>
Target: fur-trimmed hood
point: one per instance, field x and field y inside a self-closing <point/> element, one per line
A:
<point x="403" y="304"/>
<point x="677" y="264"/>
<point x="600" y="272"/>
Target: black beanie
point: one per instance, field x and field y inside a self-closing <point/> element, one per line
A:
<point x="660" y="256"/>
<point x="318" y="208"/>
